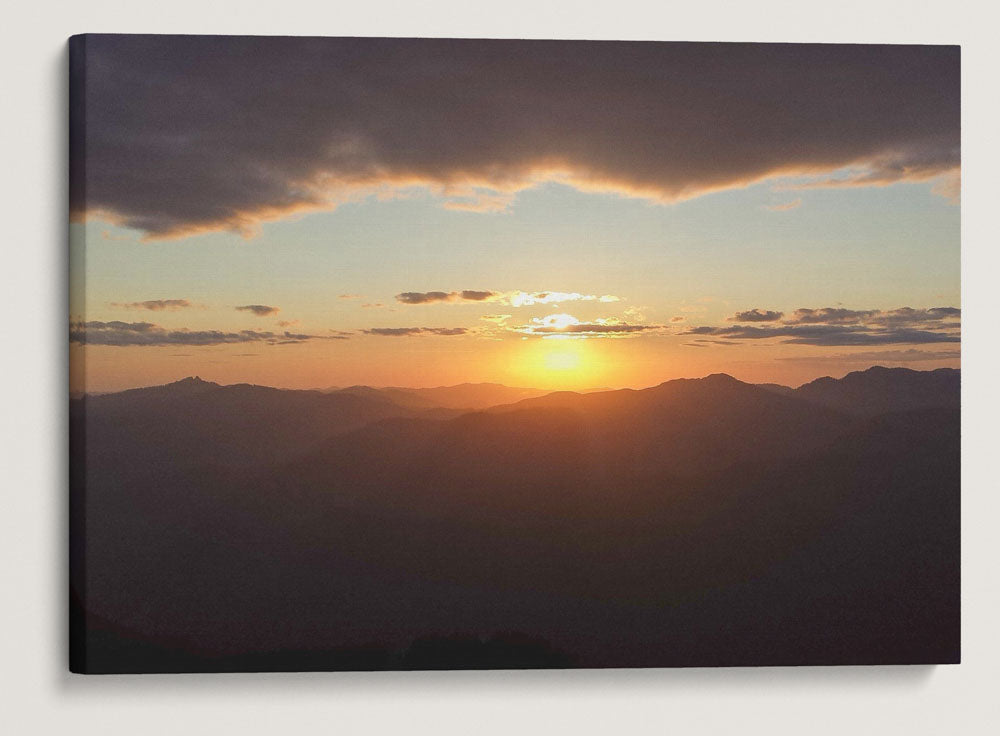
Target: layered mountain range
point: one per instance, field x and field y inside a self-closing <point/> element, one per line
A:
<point x="698" y="522"/>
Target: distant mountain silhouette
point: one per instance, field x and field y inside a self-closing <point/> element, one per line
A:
<point x="467" y="396"/>
<point x="193" y="421"/>
<point x="879" y="390"/>
<point x="698" y="522"/>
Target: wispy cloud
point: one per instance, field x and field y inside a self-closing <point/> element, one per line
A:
<point x="155" y="305"/>
<point x="125" y="334"/>
<point x="416" y="331"/>
<point x="261" y="310"/>
<point x="504" y="298"/>
<point x="831" y="315"/>
<point x="829" y="335"/>
<point x="834" y="326"/>
<point x="785" y="206"/>
<point x="566" y="325"/>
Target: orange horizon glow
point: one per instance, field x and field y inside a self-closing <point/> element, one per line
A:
<point x="547" y="364"/>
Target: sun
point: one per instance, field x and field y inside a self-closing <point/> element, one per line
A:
<point x="557" y="362"/>
<point x="562" y="359"/>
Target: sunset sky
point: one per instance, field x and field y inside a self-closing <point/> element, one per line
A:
<point x="317" y="212"/>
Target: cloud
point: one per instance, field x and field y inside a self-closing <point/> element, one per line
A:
<point x="678" y="319"/>
<point x="755" y="315"/>
<point x="594" y="328"/>
<point x="904" y="316"/>
<point x="349" y="296"/>
<point x="287" y="322"/>
<point x="828" y="335"/>
<point x="496" y="318"/>
<point x="883" y="356"/>
<point x="505" y="298"/>
<point x="925" y="317"/>
<point x="635" y="314"/>
<point x="567" y="325"/>
<point x="840" y="326"/>
<point x="428" y="297"/>
<point x="155" y="305"/>
<point x="411" y="331"/>
<point x="171" y="151"/>
<point x="949" y="186"/>
<point x="123" y="334"/>
<point x="525" y="299"/>
<point x="479" y="201"/>
<point x="703" y="343"/>
<point x="830" y="315"/>
<point x="845" y="327"/>
<point x="785" y="206"/>
<point x="261" y="310"/>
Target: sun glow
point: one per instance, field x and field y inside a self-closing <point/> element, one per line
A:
<point x="562" y="359"/>
<point x="555" y="364"/>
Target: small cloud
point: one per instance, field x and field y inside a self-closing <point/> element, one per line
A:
<point x="949" y="186"/>
<point x="566" y="325"/>
<point x="261" y="310"/>
<point x="678" y="319"/>
<point x="479" y="201"/>
<point x="756" y="315"/>
<point x="349" y="296"/>
<point x="635" y="314"/>
<point x="411" y="331"/>
<point x="426" y="297"/>
<point x="830" y="315"/>
<point x="785" y="206"/>
<point x="372" y="305"/>
<point x="526" y="299"/>
<point x="155" y="305"/>
<point x="471" y="295"/>
<point x="287" y="322"/>
<point x="496" y="318"/>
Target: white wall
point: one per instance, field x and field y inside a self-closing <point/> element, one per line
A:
<point x="38" y="696"/>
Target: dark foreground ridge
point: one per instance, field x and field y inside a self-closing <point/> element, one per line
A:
<point x="695" y="523"/>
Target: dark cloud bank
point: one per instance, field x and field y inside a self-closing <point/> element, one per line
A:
<point x="192" y="133"/>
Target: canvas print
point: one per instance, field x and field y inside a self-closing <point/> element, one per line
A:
<point x="409" y="354"/>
